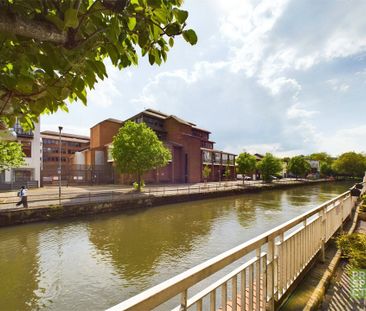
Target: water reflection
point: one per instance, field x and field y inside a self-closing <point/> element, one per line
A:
<point x="19" y="270"/>
<point x="136" y="243"/>
<point x="94" y="263"/>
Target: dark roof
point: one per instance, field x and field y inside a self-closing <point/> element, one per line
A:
<point x="156" y="112"/>
<point x="201" y="129"/>
<point x="53" y="133"/>
<point x="108" y="120"/>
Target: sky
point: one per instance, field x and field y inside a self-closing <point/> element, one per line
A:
<point x="284" y="76"/>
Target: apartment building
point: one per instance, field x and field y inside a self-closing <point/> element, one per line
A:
<point x="29" y="173"/>
<point x="70" y="144"/>
<point x="190" y="146"/>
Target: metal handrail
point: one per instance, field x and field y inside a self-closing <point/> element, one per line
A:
<point x="179" y="284"/>
<point x="151" y="191"/>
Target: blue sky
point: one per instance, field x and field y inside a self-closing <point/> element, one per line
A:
<point x="284" y="76"/>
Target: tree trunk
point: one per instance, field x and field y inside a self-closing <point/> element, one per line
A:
<point x="138" y="182"/>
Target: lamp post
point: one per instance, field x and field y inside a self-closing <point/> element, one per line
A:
<point x="59" y="164"/>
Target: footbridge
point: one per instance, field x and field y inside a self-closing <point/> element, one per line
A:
<point x="256" y="275"/>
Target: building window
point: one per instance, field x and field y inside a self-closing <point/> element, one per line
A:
<point x="225" y="158"/>
<point x="206" y="156"/>
<point x="27" y="148"/>
<point x="217" y="157"/>
<point x="109" y="154"/>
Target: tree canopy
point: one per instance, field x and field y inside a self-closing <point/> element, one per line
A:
<point x="136" y="149"/>
<point x="350" y="164"/>
<point x="246" y="164"/>
<point x="298" y="166"/>
<point x="11" y="155"/>
<point x="52" y="52"/>
<point x="269" y="166"/>
<point x="322" y="157"/>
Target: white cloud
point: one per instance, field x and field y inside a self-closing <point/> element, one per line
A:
<point x="337" y="85"/>
<point x="343" y="140"/>
<point x="282" y="76"/>
<point x="106" y="92"/>
<point x="295" y="111"/>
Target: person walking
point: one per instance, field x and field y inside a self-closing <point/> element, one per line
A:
<point x="23" y="197"/>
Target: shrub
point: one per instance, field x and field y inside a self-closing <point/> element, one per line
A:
<point x="136" y="185"/>
<point x="353" y="247"/>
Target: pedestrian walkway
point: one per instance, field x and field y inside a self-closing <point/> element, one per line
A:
<point x="338" y="296"/>
<point x="44" y="197"/>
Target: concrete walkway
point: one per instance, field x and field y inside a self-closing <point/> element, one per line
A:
<point x="43" y="197"/>
<point x="337" y="296"/>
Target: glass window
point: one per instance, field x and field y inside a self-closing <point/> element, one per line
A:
<point x="27" y="148"/>
<point x="207" y="156"/>
<point x="217" y="157"/>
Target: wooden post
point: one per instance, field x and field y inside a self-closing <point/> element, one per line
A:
<point x="270" y="275"/>
<point x="183" y="301"/>
<point x="323" y="236"/>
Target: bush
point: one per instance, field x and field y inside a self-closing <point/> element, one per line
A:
<point x="353" y="247"/>
<point x="136" y="185"/>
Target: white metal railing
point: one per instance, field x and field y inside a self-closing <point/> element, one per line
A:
<point x="273" y="260"/>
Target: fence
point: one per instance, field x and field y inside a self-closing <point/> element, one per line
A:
<point x="126" y="193"/>
<point x="268" y="265"/>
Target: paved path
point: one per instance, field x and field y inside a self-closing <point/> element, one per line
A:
<point x="47" y="196"/>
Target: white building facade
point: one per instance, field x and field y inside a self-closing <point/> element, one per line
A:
<point x="31" y="170"/>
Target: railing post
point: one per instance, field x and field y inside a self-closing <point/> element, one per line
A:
<point x="324" y="231"/>
<point x="278" y="273"/>
<point x="183" y="301"/>
<point x="270" y="276"/>
<point x="342" y="213"/>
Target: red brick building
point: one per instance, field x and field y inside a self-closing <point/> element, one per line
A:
<point x="70" y="144"/>
<point x="190" y="146"/>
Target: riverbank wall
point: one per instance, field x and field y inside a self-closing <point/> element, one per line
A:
<point x="17" y="216"/>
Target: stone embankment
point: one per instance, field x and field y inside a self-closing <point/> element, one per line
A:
<point x="114" y="201"/>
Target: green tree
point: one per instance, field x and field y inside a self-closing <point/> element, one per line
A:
<point x="136" y="150"/>
<point x="322" y="157"/>
<point x="350" y="164"/>
<point x="227" y="172"/>
<point x="269" y="166"/>
<point x="54" y="51"/>
<point x="11" y="155"/>
<point x="326" y="169"/>
<point x="245" y="164"/>
<point x="298" y="166"/>
<point x="206" y="173"/>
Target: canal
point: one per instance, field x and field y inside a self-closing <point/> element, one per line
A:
<point x="93" y="263"/>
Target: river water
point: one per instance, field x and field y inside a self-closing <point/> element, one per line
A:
<point x="93" y="263"/>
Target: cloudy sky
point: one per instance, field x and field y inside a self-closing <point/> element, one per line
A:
<point x="284" y="76"/>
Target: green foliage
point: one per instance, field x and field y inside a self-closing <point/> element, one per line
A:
<point x="246" y="164"/>
<point x="350" y="164"/>
<point x="326" y="169"/>
<point x="227" y="172"/>
<point x="269" y="166"/>
<point x="353" y="247"/>
<point x="52" y="52"/>
<point x="322" y="157"/>
<point x="11" y="155"/>
<point x="136" y="185"/>
<point x="206" y="172"/>
<point x="299" y="166"/>
<point x="137" y="149"/>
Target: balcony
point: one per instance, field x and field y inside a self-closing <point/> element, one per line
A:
<point x="22" y="133"/>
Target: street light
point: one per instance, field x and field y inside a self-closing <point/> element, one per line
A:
<point x="59" y="164"/>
